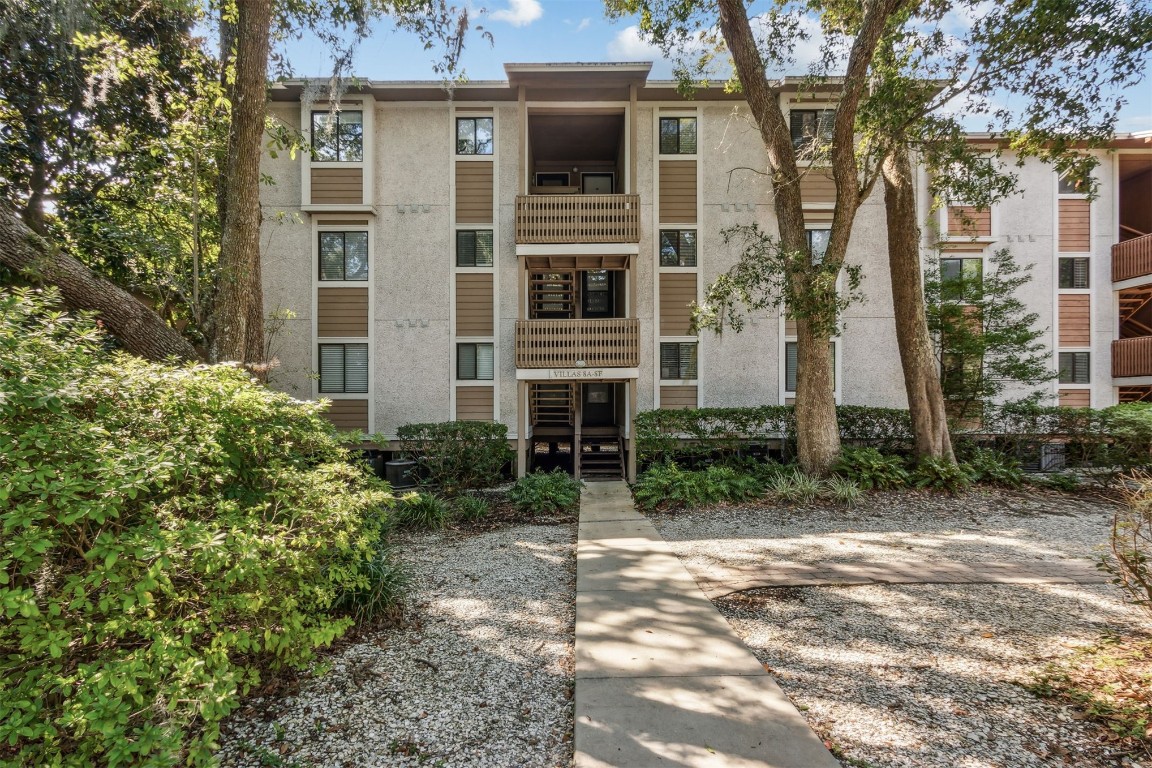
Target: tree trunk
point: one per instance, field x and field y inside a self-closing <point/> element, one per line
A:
<point x="239" y="308"/>
<point x="140" y="330"/>
<point x="921" y="375"/>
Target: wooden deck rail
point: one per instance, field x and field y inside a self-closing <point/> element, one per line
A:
<point x="1132" y="258"/>
<point x="578" y="218"/>
<point x="611" y="343"/>
<point x="1132" y="357"/>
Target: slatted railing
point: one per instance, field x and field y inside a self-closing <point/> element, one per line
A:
<point x="613" y="343"/>
<point x="577" y="219"/>
<point x="1132" y="258"/>
<point x="1132" y="357"/>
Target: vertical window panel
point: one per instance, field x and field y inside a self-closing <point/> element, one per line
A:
<point x="792" y="364"/>
<point x="678" y="360"/>
<point x="678" y="136"/>
<point x="1074" y="272"/>
<point x="677" y="247"/>
<point x="475" y="362"/>
<point x="474" y="248"/>
<point x="474" y="136"/>
<point x="338" y="137"/>
<point x="1075" y="368"/>
<point x="343" y="256"/>
<point x="343" y="368"/>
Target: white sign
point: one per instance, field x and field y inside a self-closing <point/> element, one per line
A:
<point x="576" y="373"/>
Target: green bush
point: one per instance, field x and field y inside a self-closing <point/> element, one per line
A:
<point x="543" y="493"/>
<point x="994" y="468"/>
<point x="667" y="486"/>
<point x="941" y="475"/>
<point x="471" y="509"/>
<point x="870" y="469"/>
<point x="421" y="511"/>
<point x="795" y="487"/>
<point x="455" y="455"/>
<point x="169" y="533"/>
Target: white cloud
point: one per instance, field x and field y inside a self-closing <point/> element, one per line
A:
<point x="519" y="13"/>
<point x="584" y="24"/>
<point x="628" y="45"/>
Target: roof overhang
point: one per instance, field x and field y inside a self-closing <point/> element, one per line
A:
<point x="579" y="74"/>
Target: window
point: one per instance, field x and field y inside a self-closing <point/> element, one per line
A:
<point x="1073" y="272"/>
<point x="474" y="248"/>
<point x="792" y="364"/>
<point x="958" y="375"/>
<point x="474" y="362"/>
<point x="677" y="135"/>
<point x="677" y="247"/>
<point x="343" y="255"/>
<point x="960" y="278"/>
<point x="818" y="243"/>
<point x="1071" y="186"/>
<point x="473" y="135"/>
<point x="811" y="130"/>
<point x="678" y="360"/>
<point x="1074" y="368"/>
<point x="337" y="137"/>
<point x="343" y="368"/>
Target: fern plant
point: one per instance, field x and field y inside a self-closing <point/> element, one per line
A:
<point x="870" y="469"/>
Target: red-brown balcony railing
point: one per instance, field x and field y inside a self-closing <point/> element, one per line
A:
<point x="613" y="343"/>
<point x="577" y="219"/>
<point x="1132" y="258"/>
<point x="1132" y="357"/>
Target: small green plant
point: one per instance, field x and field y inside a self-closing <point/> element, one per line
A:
<point x="544" y="493"/>
<point x="842" y="490"/>
<point x="386" y="580"/>
<point x="421" y="511"/>
<point x="1057" y="481"/>
<point x="471" y="509"/>
<point x="939" y="474"/>
<point x="870" y="469"/>
<point x="995" y="468"/>
<point x="666" y="485"/>
<point x="794" y="487"/>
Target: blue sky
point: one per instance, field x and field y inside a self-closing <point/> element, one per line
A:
<point x="549" y="31"/>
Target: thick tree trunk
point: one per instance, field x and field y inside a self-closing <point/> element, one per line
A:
<point x="140" y="330"/>
<point x="921" y="375"/>
<point x="238" y="313"/>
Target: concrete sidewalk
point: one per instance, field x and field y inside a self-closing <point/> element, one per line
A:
<point x="661" y="678"/>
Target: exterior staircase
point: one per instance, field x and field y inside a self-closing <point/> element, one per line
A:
<point x="601" y="454"/>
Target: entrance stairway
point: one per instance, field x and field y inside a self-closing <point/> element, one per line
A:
<point x="601" y="454"/>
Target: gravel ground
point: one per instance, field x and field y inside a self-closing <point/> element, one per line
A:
<point x="481" y="674"/>
<point x="921" y="675"/>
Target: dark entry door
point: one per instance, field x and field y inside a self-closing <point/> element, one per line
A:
<point x="598" y="405"/>
<point x="598" y="294"/>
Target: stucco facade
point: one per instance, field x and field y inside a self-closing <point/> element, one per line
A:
<point x="441" y="330"/>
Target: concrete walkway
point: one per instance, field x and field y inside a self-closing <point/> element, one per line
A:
<point x="661" y="678"/>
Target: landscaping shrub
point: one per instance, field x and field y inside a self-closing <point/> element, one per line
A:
<point x="870" y="469"/>
<point x="665" y="485"/>
<point x="795" y="487"/>
<point x="455" y="455"/>
<point x="168" y="534"/>
<point x="422" y="511"/>
<point x="994" y="468"/>
<point x="842" y="490"/>
<point x="543" y="493"/>
<point x="940" y="475"/>
<point x="471" y="509"/>
<point x="1131" y="543"/>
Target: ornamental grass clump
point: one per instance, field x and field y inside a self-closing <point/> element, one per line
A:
<point x="170" y="534"/>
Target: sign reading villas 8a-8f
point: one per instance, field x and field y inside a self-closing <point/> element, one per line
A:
<point x="577" y="373"/>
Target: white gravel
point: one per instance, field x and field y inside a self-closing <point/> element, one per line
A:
<point x="921" y="676"/>
<point x="481" y="675"/>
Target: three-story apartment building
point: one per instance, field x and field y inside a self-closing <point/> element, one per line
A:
<point x="527" y="251"/>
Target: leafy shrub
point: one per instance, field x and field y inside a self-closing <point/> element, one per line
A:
<point x="870" y="469"/>
<point x="842" y="490"/>
<point x="381" y="595"/>
<point x="453" y="455"/>
<point x="1057" y="481"/>
<point x="471" y="508"/>
<point x="995" y="468"/>
<point x="169" y="533"/>
<point x="941" y="475"/>
<point x="544" y="493"/>
<point x="665" y="485"/>
<point x="1130" y="563"/>
<point x="421" y="511"/>
<point x="794" y="487"/>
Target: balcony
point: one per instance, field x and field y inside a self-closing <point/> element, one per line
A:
<point x="1132" y="357"/>
<point x="611" y="343"/>
<point x="1132" y="258"/>
<point x="544" y="219"/>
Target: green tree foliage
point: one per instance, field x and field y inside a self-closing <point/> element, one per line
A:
<point x="168" y="534"/>
<point x="988" y="343"/>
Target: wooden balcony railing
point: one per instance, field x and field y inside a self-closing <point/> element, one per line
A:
<point x="1132" y="258"/>
<point x="578" y="219"/>
<point x="1132" y="357"/>
<point x="611" y="343"/>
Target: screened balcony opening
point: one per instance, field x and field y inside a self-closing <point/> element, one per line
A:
<point x="575" y="154"/>
<point x="1135" y="196"/>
